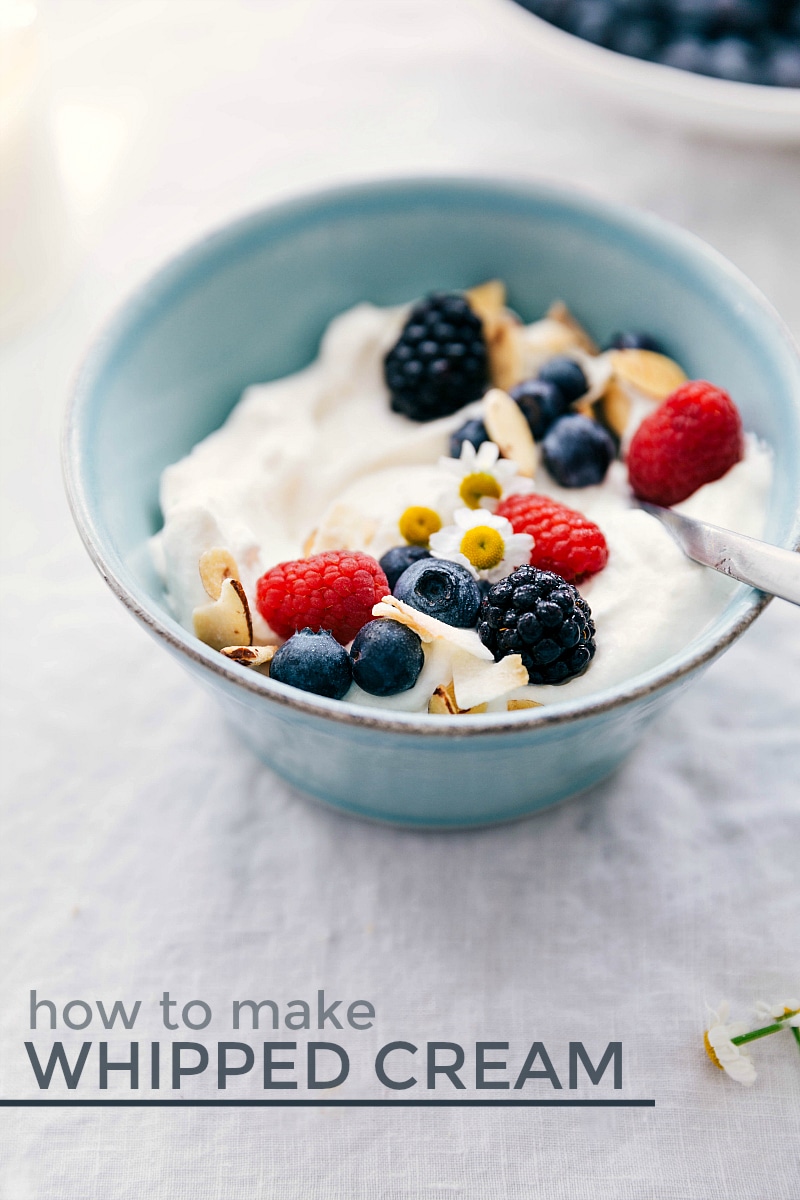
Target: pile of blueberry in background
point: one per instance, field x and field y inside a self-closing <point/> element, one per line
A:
<point x="749" y="41"/>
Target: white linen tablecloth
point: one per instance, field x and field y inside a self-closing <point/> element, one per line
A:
<point x="144" y="849"/>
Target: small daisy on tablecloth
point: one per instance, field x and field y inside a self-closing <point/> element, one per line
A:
<point x="721" y="1050"/>
<point x="780" y="1011"/>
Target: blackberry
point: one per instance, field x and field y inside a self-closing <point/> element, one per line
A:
<point x="542" y="617"/>
<point x="439" y="362"/>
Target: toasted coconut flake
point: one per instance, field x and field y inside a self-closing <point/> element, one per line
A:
<point x="257" y="657"/>
<point x="227" y="621"/>
<point x="654" y="374"/>
<point x="516" y="705"/>
<point x="429" y="629"/>
<point x="560" y="313"/>
<point x="443" y="703"/>
<point x="508" y="428"/>
<point x="476" y="682"/>
<point x="215" y="567"/>
<point x="504" y="346"/>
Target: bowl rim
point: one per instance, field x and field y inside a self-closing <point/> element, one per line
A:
<point x="746" y="603"/>
<point x="726" y="95"/>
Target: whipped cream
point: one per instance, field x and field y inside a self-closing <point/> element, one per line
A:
<point x="319" y="461"/>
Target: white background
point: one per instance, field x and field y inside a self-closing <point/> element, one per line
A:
<point x="143" y="849"/>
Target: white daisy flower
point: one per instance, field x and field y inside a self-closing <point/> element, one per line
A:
<point x="718" y="1038"/>
<point x="417" y="523"/>
<point x="483" y="543"/>
<point x="484" y="477"/>
<point x="787" y="1011"/>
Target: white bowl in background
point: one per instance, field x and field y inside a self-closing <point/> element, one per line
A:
<point x="743" y="110"/>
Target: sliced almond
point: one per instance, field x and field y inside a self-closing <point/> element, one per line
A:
<point x="508" y="428"/>
<point x="257" y="657"/>
<point x="504" y="346"/>
<point x="613" y="409"/>
<point x="502" y="332"/>
<point x="560" y="313"/>
<point x="215" y="567"/>
<point x="488" y="299"/>
<point x="443" y="703"/>
<point x="516" y="705"/>
<point x="227" y="621"/>
<point x="648" y="372"/>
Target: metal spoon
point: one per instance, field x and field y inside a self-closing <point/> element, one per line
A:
<point x="768" y="568"/>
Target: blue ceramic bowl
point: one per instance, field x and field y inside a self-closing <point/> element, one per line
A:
<point x="251" y="302"/>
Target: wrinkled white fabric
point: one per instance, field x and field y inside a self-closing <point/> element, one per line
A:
<point x="143" y="849"/>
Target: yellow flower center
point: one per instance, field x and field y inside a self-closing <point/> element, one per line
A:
<point x="710" y="1052"/>
<point x="418" y="523"/>
<point x="474" y="487"/>
<point x="483" y="546"/>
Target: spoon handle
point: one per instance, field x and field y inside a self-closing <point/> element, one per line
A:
<point x="768" y="568"/>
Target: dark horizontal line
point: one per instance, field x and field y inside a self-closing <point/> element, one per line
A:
<point x="228" y="1103"/>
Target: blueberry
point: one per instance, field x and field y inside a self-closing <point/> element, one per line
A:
<point x="554" y="11"/>
<point x="541" y="402"/>
<point x="567" y="376"/>
<point x="591" y="20"/>
<point x="387" y="658"/>
<point x="636" y="10"/>
<point x="399" y="559"/>
<point x="577" y="451"/>
<point x="693" y="16"/>
<point x="686" y="53"/>
<point x="441" y="589"/>
<point x="740" y="16"/>
<point x="637" y="39"/>
<point x="735" y="59"/>
<point x="313" y="662"/>
<point x="783" y="65"/>
<point x="634" y="339"/>
<point x="473" y="432"/>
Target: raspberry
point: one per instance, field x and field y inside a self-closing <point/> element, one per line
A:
<point x="693" y="438"/>
<point x="334" y="591"/>
<point x="565" y="541"/>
